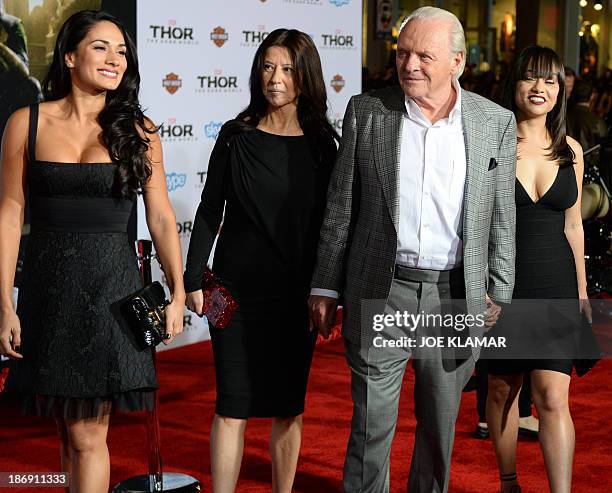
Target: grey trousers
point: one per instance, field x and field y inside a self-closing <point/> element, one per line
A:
<point x="377" y="374"/>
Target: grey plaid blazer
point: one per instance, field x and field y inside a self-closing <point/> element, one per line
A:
<point x="358" y="241"/>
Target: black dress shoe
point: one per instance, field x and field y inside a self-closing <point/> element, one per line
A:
<point x="481" y="432"/>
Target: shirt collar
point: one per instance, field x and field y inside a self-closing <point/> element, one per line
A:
<point x="414" y="112"/>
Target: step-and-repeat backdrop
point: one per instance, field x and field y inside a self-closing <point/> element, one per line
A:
<point x="195" y="58"/>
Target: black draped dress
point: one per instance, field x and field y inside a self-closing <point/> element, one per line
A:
<point x="545" y="270"/>
<point x="79" y="360"/>
<point x="273" y="188"/>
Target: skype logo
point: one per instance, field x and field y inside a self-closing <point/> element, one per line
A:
<point x="175" y="181"/>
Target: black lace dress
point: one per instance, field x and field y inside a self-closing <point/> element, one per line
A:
<point x="79" y="360"/>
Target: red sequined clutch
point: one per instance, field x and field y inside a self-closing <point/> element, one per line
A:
<point x="219" y="305"/>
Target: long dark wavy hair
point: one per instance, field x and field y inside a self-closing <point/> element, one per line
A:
<point x="122" y="118"/>
<point x="542" y="62"/>
<point x="312" y="96"/>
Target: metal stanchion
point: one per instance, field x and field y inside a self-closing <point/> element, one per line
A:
<point x="156" y="480"/>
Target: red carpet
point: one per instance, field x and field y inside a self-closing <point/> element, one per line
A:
<point x="187" y="404"/>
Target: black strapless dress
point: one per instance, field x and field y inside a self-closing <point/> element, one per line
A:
<point x="79" y="361"/>
<point x="545" y="270"/>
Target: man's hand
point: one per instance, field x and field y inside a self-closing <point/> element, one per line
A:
<point x="322" y="311"/>
<point x="492" y="313"/>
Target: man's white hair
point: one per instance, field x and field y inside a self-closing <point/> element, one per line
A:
<point x="457" y="35"/>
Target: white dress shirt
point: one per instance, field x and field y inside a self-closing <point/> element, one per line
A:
<point x="431" y="186"/>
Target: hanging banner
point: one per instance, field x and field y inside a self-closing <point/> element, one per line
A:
<point x="384" y="19"/>
<point x="195" y="59"/>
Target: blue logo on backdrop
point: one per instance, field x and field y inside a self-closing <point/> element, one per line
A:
<point x="339" y="3"/>
<point x="175" y="180"/>
<point x="211" y="129"/>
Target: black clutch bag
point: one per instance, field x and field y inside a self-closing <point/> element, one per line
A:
<point x="144" y="313"/>
<point x="589" y="352"/>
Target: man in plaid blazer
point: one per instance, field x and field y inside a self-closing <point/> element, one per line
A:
<point x="420" y="209"/>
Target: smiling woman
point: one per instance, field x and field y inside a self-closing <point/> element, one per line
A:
<point x="549" y="266"/>
<point x="83" y="154"/>
<point x="102" y="53"/>
<point x="97" y="57"/>
<point x="538" y="73"/>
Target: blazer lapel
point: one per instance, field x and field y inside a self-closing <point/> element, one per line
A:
<point x="387" y="133"/>
<point x="474" y="123"/>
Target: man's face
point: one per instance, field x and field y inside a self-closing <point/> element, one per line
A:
<point x="425" y="61"/>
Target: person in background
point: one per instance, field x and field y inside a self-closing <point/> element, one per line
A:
<point x="570" y="80"/>
<point x="83" y="154"/>
<point x="528" y="423"/>
<point x="583" y="124"/>
<point x="603" y="101"/>
<point x="17" y="87"/>
<point x="269" y="169"/>
<point x="16" y="39"/>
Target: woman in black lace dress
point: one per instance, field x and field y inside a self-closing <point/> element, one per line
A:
<point x="82" y="155"/>
<point x="270" y="169"/>
<point x="549" y="266"/>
